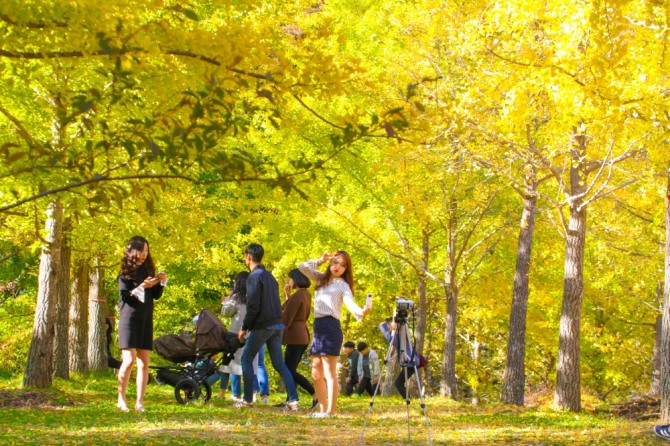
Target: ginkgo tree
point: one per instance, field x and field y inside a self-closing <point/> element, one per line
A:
<point x="121" y="99"/>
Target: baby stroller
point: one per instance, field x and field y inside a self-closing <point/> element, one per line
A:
<point x="190" y="380"/>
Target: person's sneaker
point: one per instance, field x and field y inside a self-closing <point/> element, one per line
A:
<point x="291" y="407"/>
<point x="320" y="415"/>
<point x="315" y="403"/>
<point x="235" y="399"/>
<point x="662" y="430"/>
<point x="265" y="400"/>
<point x="242" y="404"/>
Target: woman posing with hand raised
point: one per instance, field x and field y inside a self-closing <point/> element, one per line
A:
<point x="333" y="288"/>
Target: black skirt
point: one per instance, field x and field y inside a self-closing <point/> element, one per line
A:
<point x="327" y="337"/>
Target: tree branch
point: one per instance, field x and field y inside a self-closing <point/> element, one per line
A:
<point x="19" y="126"/>
<point x="34" y="55"/>
<point x="34" y="25"/>
<point x="603" y="194"/>
<point x="536" y="65"/>
<point x="104" y="178"/>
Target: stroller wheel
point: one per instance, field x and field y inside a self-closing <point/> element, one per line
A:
<point x="187" y="391"/>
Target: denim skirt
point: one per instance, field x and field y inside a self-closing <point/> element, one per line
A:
<point x="327" y="337"/>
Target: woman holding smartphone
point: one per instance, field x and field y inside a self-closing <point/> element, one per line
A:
<point x="334" y="288"/>
<point x="139" y="286"/>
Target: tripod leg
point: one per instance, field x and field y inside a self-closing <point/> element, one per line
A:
<point x="407" y="401"/>
<point x="423" y="403"/>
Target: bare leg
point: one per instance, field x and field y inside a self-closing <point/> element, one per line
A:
<point x="127" y="361"/>
<point x="142" y="377"/>
<point x="319" y="384"/>
<point x="330" y="373"/>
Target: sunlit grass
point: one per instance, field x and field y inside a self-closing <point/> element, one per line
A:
<point x="82" y="411"/>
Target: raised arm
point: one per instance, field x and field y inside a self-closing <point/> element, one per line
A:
<point x="384" y="327"/>
<point x="308" y="268"/>
<point x="351" y="305"/>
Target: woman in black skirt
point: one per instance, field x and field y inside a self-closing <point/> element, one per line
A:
<point x="139" y="286"/>
<point x="334" y="288"/>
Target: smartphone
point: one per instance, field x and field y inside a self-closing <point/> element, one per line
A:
<point x="368" y="300"/>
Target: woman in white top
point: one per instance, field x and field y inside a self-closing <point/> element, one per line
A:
<point x="333" y="288"/>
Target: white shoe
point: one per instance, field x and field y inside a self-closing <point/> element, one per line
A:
<point x="662" y="430"/>
<point x="291" y="407"/>
<point x="242" y="405"/>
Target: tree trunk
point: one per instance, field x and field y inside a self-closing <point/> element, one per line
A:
<point x="448" y="384"/>
<point x="665" y="345"/>
<point x="39" y="368"/>
<point x="476" y="347"/>
<point x="568" y="379"/>
<point x="515" y="374"/>
<point x="79" y="318"/>
<point x="342" y="370"/>
<point x="97" y="349"/>
<point x="655" y="386"/>
<point x="61" y="366"/>
<point x="422" y="304"/>
<point x="392" y="370"/>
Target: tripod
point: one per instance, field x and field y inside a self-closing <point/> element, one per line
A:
<point x="407" y="359"/>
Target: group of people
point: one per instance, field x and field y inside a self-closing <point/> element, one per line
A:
<point x="260" y="319"/>
<point x="269" y="323"/>
<point x="363" y="369"/>
<point x="234" y="306"/>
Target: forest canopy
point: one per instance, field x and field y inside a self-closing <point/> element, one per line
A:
<point x="502" y="164"/>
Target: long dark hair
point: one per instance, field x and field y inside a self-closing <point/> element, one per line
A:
<point x="131" y="258"/>
<point x="348" y="275"/>
<point x="240" y="288"/>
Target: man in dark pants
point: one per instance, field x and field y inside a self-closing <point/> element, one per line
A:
<point x="352" y="373"/>
<point x="368" y="369"/>
<point x="264" y="325"/>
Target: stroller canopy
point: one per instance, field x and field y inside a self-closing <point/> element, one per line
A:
<point x="211" y="335"/>
<point x="175" y="348"/>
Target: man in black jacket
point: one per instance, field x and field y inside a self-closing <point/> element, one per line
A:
<point x="264" y="325"/>
<point x="352" y="373"/>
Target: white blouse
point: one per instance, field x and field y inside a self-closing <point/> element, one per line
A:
<point x="329" y="298"/>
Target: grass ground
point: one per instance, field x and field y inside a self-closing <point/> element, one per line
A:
<point x="82" y="411"/>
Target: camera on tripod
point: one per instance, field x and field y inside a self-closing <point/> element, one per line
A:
<point x="402" y="309"/>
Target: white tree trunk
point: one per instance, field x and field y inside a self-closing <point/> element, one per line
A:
<point x="97" y="348"/>
<point x="79" y="318"/>
<point x="39" y="369"/>
<point x="665" y="342"/>
<point x="61" y="348"/>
